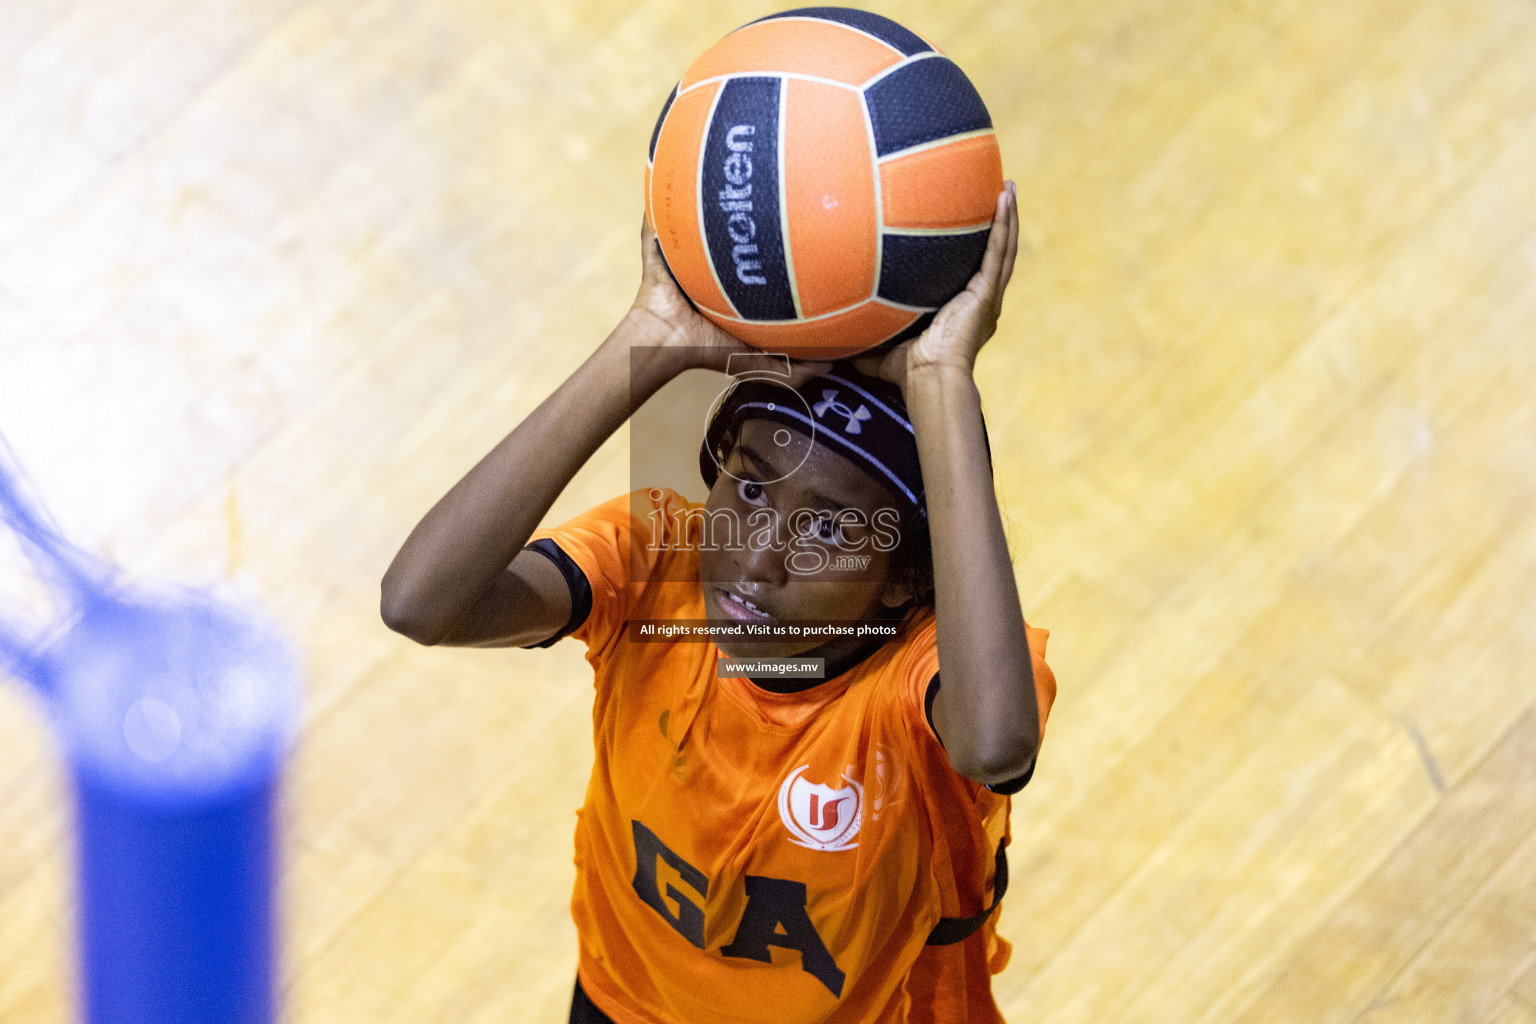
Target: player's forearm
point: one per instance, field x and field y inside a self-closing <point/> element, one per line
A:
<point x="475" y="530"/>
<point x="986" y="710"/>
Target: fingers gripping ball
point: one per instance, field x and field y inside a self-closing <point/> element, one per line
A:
<point x="821" y="181"/>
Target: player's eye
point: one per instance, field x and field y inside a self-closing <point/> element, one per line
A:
<point x="751" y="492"/>
<point x="828" y="530"/>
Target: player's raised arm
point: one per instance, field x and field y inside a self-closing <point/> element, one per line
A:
<point x="986" y="711"/>
<point x="455" y="580"/>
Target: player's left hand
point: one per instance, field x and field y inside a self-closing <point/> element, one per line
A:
<point x="966" y="322"/>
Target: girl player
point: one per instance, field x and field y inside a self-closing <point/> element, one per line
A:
<point x="771" y="849"/>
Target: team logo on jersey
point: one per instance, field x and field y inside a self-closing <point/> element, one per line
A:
<point x="819" y="817"/>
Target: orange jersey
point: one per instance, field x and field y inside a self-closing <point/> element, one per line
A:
<point x="746" y="855"/>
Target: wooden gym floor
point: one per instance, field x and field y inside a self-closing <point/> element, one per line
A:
<point x="274" y="273"/>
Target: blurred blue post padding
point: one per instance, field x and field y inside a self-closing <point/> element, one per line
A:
<point x="174" y="710"/>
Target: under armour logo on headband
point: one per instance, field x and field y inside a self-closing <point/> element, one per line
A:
<point x="854" y="416"/>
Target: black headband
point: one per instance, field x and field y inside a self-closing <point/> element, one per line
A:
<point x="860" y="417"/>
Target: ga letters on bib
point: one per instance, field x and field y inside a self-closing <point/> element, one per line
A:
<point x="747" y="855"/>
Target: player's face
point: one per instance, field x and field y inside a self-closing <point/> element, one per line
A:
<point x="817" y="540"/>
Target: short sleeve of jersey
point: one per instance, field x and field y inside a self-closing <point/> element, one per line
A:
<point x="920" y="663"/>
<point x="616" y="545"/>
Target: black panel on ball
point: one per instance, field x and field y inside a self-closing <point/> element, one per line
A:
<point x="740" y="199"/>
<point x="924" y="101"/>
<point x="929" y="270"/>
<point x="883" y="29"/>
<point x="660" y="119"/>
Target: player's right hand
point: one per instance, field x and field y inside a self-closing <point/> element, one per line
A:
<point x="664" y="318"/>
